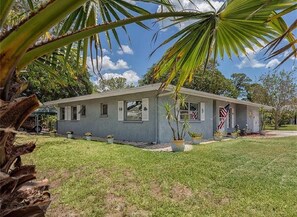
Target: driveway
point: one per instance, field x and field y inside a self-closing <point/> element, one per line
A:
<point x="280" y="133"/>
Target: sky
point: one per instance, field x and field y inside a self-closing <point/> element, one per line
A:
<point x="133" y="60"/>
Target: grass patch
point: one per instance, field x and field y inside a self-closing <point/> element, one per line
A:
<point x="246" y="177"/>
<point x="289" y="127"/>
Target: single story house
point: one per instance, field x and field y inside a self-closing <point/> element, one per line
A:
<point x="138" y="114"/>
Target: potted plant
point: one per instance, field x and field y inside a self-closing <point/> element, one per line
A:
<point x="69" y="134"/>
<point x="53" y="133"/>
<point x="178" y="128"/>
<point x="88" y="136"/>
<point x="235" y="134"/>
<point x="218" y="135"/>
<point x="196" y="137"/>
<point x="110" y="139"/>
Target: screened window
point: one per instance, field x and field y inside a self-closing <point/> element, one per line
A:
<point x="190" y="111"/>
<point x="133" y="110"/>
<point x="83" y="111"/>
<point x="73" y="113"/>
<point x="104" y="109"/>
<point x="62" y="113"/>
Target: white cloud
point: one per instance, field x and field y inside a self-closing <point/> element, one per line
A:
<point x="130" y="75"/>
<point x="286" y="53"/>
<point x="108" y="64"/>
<point x="125" y="50"/>
<point x="250" y="60"/>
<point x="272" y="63"/>
<point x="181" y="5"/>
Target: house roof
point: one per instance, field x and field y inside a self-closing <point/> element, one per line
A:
<point x="153" y="87"/>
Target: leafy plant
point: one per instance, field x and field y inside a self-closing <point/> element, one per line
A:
<point x="69" y="132"/>
<point x="172" y="112"/>
<point x="194" y="134"/>
<point x="109" y="136"/>
<point x="88" y="134"/>
<point x="219" y="133"/>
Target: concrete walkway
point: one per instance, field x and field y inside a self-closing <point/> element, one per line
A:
<point x="280" y="133"/>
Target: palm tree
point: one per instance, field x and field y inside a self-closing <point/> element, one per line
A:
<point x="76" y="23"/>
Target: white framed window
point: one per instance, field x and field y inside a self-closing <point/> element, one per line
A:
<point x="133" y="110"/>
<point x="191" y="111"/>
<point x="62" y="113"/>
<point x="73" y="113"/>
<point x="104" y="109"/>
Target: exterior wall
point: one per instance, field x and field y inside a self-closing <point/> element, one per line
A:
<point x="241" y="114"/>
<point x="205" y="127"/>
<point x="253" y="119"/>
<point x="103" y="126"/>
<point x="217" y="116"/>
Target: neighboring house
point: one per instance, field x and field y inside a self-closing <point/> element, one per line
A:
<point x="138" y="114"/>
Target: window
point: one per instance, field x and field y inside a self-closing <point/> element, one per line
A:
<point x="73" y="113"/>
<point x="83" y="111"/>
<point x="190" y="111"/>
<point x="62" y="113"/>
<point x="133" y="110"/>
<point x="104" y="109"/>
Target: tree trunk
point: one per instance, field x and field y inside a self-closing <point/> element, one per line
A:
<point x="276" y="120"/>
<point x="20" y="196"/>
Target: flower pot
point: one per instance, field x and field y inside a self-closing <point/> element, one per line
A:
<point x="196" y="140"/>
<point x="177" y="145"/>
<point x="218" y="138"/>
<point x="70" y="136"/>
<point x="234" y="136"/>
<point x="110" y="140"/>
<point x="89" y="138"/>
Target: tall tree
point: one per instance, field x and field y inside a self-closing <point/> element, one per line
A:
<point x="279" y="90"/>
<point x="112" y="84"/>
<point x="241" y="82"/>
<point x="210" y="80"/>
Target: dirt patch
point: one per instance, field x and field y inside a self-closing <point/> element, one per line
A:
<point x="62" y="211"/>
<point x="115" y="205"/>
<point x="205" y="194"/>
<point x="180" y="192"/>
<point x="156" y="191"/>
<point x="223" y="201"/>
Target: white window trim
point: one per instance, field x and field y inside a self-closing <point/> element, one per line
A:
<point x="188" y="110"/>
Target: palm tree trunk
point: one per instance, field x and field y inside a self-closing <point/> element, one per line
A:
<point x="18" y="198"/>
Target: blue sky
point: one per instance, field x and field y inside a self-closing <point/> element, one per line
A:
<point x="133" y="61"/>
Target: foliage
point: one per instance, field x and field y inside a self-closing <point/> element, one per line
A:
<point x="219" y="133"/>
<point x="88" y="134"/>
<point x="112" y="84"/>
<point x="172" y="112"/>
<point x="211" y="80"/>
<point x="109" y="136"/>
<point x="281" y="90"/>
<point x="194" y="134"/>
<point x="226" y="31"/>
<point x="241" y="82"/>
<point x="69" y="132"/>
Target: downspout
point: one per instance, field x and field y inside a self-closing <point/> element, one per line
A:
<point x="157" y="120"/>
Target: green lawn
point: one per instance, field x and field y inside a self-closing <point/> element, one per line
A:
<point x="284" y="127"/>
<point x="243" y="177"/>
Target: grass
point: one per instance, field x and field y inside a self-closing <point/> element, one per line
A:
<point x="242" y="177"/>
<point x="284" y="127"/>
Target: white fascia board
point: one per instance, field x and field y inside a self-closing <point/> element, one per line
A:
<point x="152" y="87"/>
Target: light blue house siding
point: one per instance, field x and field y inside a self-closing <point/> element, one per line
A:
<point x="101" y="126"/>
<point x="152" y="126"/>
<point x="205" y="126"/>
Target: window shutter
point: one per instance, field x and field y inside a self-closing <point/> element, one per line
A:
<point x="68" y="113"/>
<point x="233" y="117"/>
<point x="120" y="110"/>
<point x="145" y="109"/>
<point x="58" y="113"/>
<point x="78" y="110"/>
<point x="202" y="111"/>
